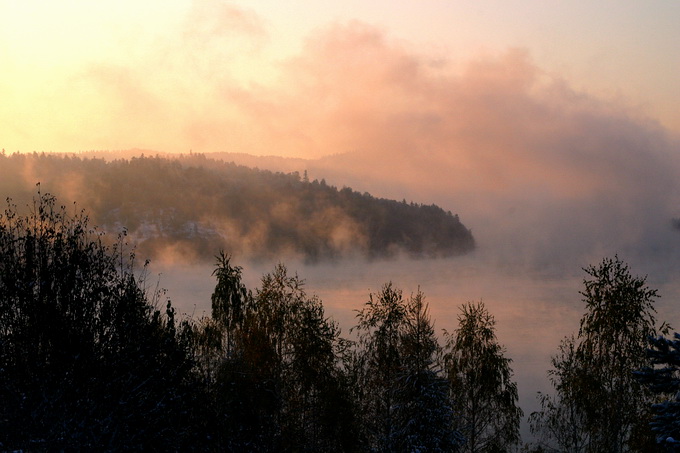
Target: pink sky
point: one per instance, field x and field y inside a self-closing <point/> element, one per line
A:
<point x="248" y="76"/>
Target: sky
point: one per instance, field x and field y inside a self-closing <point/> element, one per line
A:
<point x="211" y="75"/>
<point x="551" y="127"/>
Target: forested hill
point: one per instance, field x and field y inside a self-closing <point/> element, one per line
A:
<point x="192" y="206"/>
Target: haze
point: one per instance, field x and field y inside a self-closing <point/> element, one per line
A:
<point x="551" y="128"/>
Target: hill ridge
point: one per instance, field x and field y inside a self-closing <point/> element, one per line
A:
<point x="192" y="206"/>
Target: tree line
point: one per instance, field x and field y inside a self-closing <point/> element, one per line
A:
<point x="93" y="358"/>
<point x="193" y="205"/>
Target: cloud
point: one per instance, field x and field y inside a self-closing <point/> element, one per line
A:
<point x="215" y="19"/>
<point x="166" y="91"/>
<point x="541" y="172"/>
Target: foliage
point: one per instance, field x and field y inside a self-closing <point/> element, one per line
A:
<point x="561" y="421"/>
<point x="403" y="397"/>
<point x="277" y="385"/>
<point x="598" y="405"/>
<point x="662" y="377"/>
<point x="86" y="362"/>
<point x="424" y="413"/>
<point x="480" y="379"/>
<point x="230" y="298"/>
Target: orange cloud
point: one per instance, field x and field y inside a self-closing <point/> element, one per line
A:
<point x="542" y="169"/>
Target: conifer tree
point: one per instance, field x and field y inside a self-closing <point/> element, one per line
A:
<point x="424" y="413"/>
<point x="662" y="377"/>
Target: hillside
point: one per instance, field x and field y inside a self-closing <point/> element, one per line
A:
<point x="191" y="206"/>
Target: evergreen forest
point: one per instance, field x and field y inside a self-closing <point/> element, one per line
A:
<point x="94" y="358"/>
<point x="191" y="205"/>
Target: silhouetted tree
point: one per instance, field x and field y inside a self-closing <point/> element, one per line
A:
<point x="662" y="377"/>
<point x="480" y="382"/>
<point x="86" y="361"/>
<point x="279" y="386"/>
<point x="598" y="405"/>
<point x="229" y="299"/>
<point x="314" y="404"/>
<point x="403" y="398"/>
<point x="424" y="414"/>
<point x="561" y="423"/>
<point x="380" y="322"/>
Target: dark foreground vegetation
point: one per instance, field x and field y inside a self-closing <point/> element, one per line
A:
<point x="191" y="205"/>
<point x="92" y="360"/>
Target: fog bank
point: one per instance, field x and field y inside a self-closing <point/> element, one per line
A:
<point x="546" y="176"/>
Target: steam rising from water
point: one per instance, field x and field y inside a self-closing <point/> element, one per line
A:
<point x="544" y="175"/>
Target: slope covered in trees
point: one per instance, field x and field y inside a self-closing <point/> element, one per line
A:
<point x="192" y="206"/>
